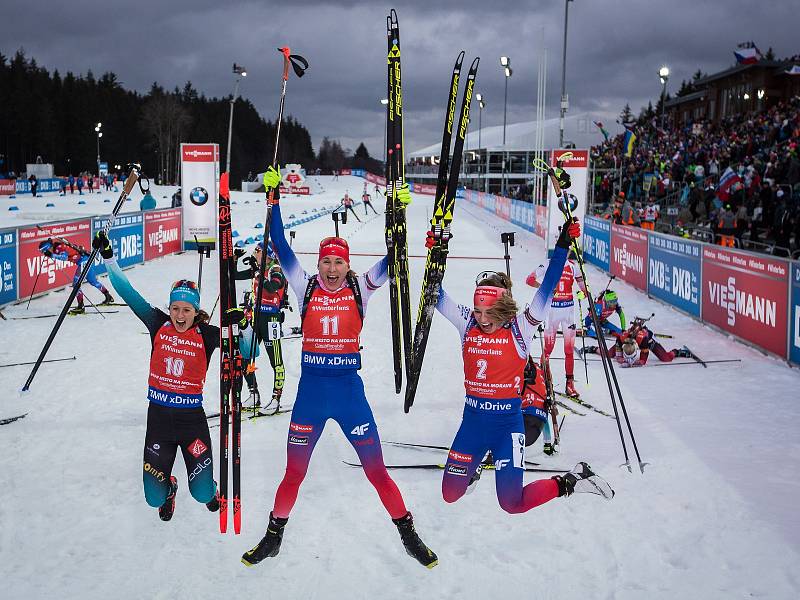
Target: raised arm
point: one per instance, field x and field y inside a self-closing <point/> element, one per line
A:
<point x="370" y="281"/>
<point x="295" y="274"/>
<point x="456" y="313"/>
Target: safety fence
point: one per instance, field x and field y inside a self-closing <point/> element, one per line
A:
<point x="136" y="238"/>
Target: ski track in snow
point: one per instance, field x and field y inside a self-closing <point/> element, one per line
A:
<point x="713" y="516"/>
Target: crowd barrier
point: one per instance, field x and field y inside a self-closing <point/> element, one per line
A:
<point x="12" y="187"/>
<point x="135" y="237"/>
<point x="753" y="297"/>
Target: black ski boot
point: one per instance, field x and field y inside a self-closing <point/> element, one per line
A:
<point x="166" y="510"/>
<point x="413" y="545"/>
<point x="107" y="299"/>
<point x="270" y="544"/>
<point x="213" y="504"/>
<point x="583" y="480"/>
<point x="682" y="352"/>
<point x="78" y="310"/>
<point x="549" y="449"/>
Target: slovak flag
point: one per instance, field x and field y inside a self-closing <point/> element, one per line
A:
<point x="747" y="53"/>
<point x="729" y="183"/>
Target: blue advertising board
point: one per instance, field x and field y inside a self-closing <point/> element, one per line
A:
<point x="126" y="236"/>
<point x="523" y="215"/>
<point x="597" y="241"/>
<point x="8" y="265"/>
<point x="673" y="272"/>
<point x="794" y="314"/>
<point x="44" y="185"/>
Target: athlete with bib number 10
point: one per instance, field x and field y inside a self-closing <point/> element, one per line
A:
<point x="495" y="340"/>
<point x="332" y="303"/>
<point x="182" y="342"/>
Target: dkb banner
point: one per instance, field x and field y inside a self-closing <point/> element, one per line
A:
<point x="8" y="266"/>
<point x="126" y="237"/>
<point x="597" y="241"/>
<point x="794" y="316"/>
<point x="673" y="273"/>
<point x="200" y="179"/>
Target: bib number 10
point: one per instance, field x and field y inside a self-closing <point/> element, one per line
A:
<point x="330" y="325"/>
<point x="174" y="366"/>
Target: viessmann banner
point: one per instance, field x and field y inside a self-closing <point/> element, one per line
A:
<point x="747" y="294"/>
<point x="577" y="166"/>
<point x="199" y="178"/>
<point x="162" y="232"/>
<point x="629" y="255"/>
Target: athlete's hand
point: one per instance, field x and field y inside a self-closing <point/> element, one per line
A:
<point x="569" y="231"/>
<point x="580" y="295"/>
<point x="429" y="241"/>
<point x="101" y="243"/>
<point x="403" y="195"/>
<point x="234" y="316"/>
<point x="271" y="179"/>
<point x="238" y="253"/>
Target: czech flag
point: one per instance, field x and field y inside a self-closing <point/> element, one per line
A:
<point x="729" y="183"/>
<point x="627" y="143"/>
<point x="747" y="53"/>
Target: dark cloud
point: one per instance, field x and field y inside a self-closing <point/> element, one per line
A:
<point x="615" y="48"/>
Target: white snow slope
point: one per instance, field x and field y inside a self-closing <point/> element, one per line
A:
<point x="713" y="516"/>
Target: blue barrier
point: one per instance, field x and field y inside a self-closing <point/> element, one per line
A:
<point x="8" y="266"/>
<point x="674" y="272"/>
<point x="794" y="315"/>
<point x="126" y="237"/>
<point x="597" y="242"/>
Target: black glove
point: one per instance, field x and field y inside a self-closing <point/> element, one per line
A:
<point x="238" y="253"/>
<point x="101" y="243"/>
<point x="569" y="231"/>
<point x="251" y="262"/>
<point x="234" y="316"/>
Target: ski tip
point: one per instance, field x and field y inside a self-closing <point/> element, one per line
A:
<point x="224" y="189"/>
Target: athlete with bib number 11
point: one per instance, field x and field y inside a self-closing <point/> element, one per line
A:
<point x="333" y="303"/>
<point x="496" y="339"/>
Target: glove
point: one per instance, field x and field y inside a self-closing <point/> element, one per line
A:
<point x="101" y="243"/>
<point x="569" y="231"/>
<point x="234" y="316"/>
<point x="403" y="195"/>
<point x="272" y="179"/>
<point x="238" y="253"/>
<point x="251" y="262"/>
<point x="563" y="177"/>
<point x="429" y="241"/>
<point x="580" y="295"/>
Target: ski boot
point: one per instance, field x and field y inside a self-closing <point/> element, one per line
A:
<point x="413" y="545"/>
<point x="270" y="544"/>
<point x="108" y="299"/>
<point x="276" y="399"/>
<point x="213" y="504"/>
<point x="587" y="350"/>
<point x="254" y="398"/>
<point x="78" y="310"/>
<point x="583" y="480"/>
<point x="682" y="352"/>
<point x="166" y="510"/>
<point x="549" y="449"/>
<point x="570" y="390"/>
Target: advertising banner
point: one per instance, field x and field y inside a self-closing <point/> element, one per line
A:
<point x="541" y="221"/>
<point x="578" y="168"/>
<point x="423" y="188"/>
<point x="8" y="265"/>
<point x="293" y="180"/>
<point x="629" y="255"/>
<point x="794" y="316"/>
<point x="199" y="169"/>
<point x="747" y="295"/>
<point x="379" y="179"/>
<point x="44" y="185"/>
<point x="597" y="242"/>
<point x="52" y="273"/>
<point x="126" y="237"/>
<point x="502" y="207"/>
<point x="673" y="272"/>
<point x="522" y="214"/>
<point x="8" y="187"/>
<point x="345" y="172"/>
<point x="162" y="232"/>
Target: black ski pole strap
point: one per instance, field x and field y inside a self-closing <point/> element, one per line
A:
<point x="353" y="281"/>
<point x="312" y="285"/>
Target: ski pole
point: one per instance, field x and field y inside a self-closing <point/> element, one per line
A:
<point x="49" y="360"/>
<point x="35" y="281"/>
<point x="508" y="240"/>
<point x="133" y="177"/>
<point x="583" y="343"/>
<point x="204" y="252"/>
<point x="291" y="237"/>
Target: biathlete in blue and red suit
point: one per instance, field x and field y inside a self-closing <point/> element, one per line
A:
<point x="333" y="303"/>
<point x="66" y="251"/>
<point x="182" y="342"/>
<point x="605" y="306"/>
<point x="495" y="339"/>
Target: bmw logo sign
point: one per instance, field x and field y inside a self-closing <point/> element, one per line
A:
<point x="198" y="196"/>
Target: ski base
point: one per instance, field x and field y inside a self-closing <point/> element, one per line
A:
<point x="9" y="420"/>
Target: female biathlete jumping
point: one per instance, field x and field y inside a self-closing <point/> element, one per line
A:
<point x="332" y="305"/>
<point x="181" y="346"/>
<point x="495" y="339"/>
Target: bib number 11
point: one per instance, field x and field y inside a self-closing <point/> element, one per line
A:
<point x="330" y="325"/>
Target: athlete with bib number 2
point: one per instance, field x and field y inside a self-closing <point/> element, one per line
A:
<point x="332" y="303"/>
<point x="495" y="340"/>
<point x="182" y="342"/>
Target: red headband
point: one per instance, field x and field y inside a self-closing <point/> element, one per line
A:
<point x="486" y="295"/>
<point x="334" y="246"/>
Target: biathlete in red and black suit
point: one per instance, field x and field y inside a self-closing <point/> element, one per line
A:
<point x="63" y="250"/>
<point x="633" y="348"/>
<point x="495" y="339"/>
<point x="182" y="342"/>
<point x="333" y="303"/>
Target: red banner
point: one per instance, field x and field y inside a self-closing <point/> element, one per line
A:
<point x="502" y="207"/>
<point x="199" y="152"/>
<point x="372" y="178"/>
<point x="629" y="255"/>
<point x="300" y="191"/>
<point x="424" y="188"/>
<point x="747" y="294"/>
<point x="52" y="273"/>
<point x="162" y="232"/>
<point x="579" y="158"/>
<point x="541" y="221"/>
<point x="8" y="187"/>
<point x="345" y="171"/>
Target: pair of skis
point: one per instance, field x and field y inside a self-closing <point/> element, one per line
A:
<point x="396" y="226"/>
<point x="442" y="218"/>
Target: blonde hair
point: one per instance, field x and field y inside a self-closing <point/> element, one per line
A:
<point x="505" y="308"/>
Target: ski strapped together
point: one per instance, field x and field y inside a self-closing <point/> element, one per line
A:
<point x="134" y="176"/>
<point x="442" y="218"/>
<point x="564" y="204"/>
<point x="396" y="228"/>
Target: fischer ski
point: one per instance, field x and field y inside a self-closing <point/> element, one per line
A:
<point x="569" y="408"/>
<point x="583" y="403"/>
<point x="444" y="205"/>
<point x="441" y="466"/>
<point x="396" y="227"/>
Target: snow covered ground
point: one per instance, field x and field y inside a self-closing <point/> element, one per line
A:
<point x="713" y="516"/>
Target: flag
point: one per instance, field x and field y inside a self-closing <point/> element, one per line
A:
<point x="729" y="183"/>
<point x="795" y="70"/>
<point x="627" y="143"/>
<point x="602" y="129"/>
<point x="747" y="53"/>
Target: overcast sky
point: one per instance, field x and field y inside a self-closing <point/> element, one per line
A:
<point x="614" y="51"/>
